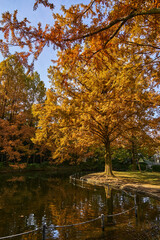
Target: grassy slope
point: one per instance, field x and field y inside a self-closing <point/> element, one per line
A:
<point x="137" y="177"/>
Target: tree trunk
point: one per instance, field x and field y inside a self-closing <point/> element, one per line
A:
<point x="108" y="160"/>
<point x="41" y="158"/>
<point x="139" y="166"/>
<point x="133" y="154"/>
<point x="34" y="157"/>
<point x="2" y="158"/>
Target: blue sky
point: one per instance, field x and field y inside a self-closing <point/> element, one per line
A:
<point x="43" y="15"/>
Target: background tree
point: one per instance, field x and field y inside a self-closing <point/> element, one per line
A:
<point x="18" y="92"/>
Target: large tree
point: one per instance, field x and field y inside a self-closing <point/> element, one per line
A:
<point x="93" y="104"/>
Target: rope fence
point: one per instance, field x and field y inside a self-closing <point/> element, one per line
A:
<point x="76" y="224"/>
<point x="20" y="234"/>
<point x="102" y="217"/>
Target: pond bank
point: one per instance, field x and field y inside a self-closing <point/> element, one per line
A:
<point x="145" y="183"/>
<point x="49" y="168"/>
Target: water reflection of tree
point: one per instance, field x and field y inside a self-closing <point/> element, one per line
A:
<point x="53" y="201"/>
<point x="146" y="211"/>
<point x="44" y="198"/>
<point x="109" y="197"/>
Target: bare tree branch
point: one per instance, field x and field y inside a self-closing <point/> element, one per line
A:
<point x="142" y="45"/>
<point x="114" y="22"/>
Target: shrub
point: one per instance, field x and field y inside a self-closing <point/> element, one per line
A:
<point x="156" y="168"/>
<point x="33" y="166"/>
<point x="142" y="166"/>
<point x="1" y="164"/>
<point x="121" y="159"/>
<point x="44" y="164"/>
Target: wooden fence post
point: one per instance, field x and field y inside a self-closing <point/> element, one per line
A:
<point x="44" y="232"/>
<point x="102" y="221"/>
<point x="82" y="182"/>
<point x="135" y="204"/>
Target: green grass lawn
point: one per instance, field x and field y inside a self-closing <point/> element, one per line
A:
<point x="144" y="177"/>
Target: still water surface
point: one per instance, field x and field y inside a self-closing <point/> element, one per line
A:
<point x="31" y="200"/>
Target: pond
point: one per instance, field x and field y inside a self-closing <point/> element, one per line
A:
<point x="31" y="200"/>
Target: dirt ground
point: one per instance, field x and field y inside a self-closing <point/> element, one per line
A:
<point x="127" y="182"/>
